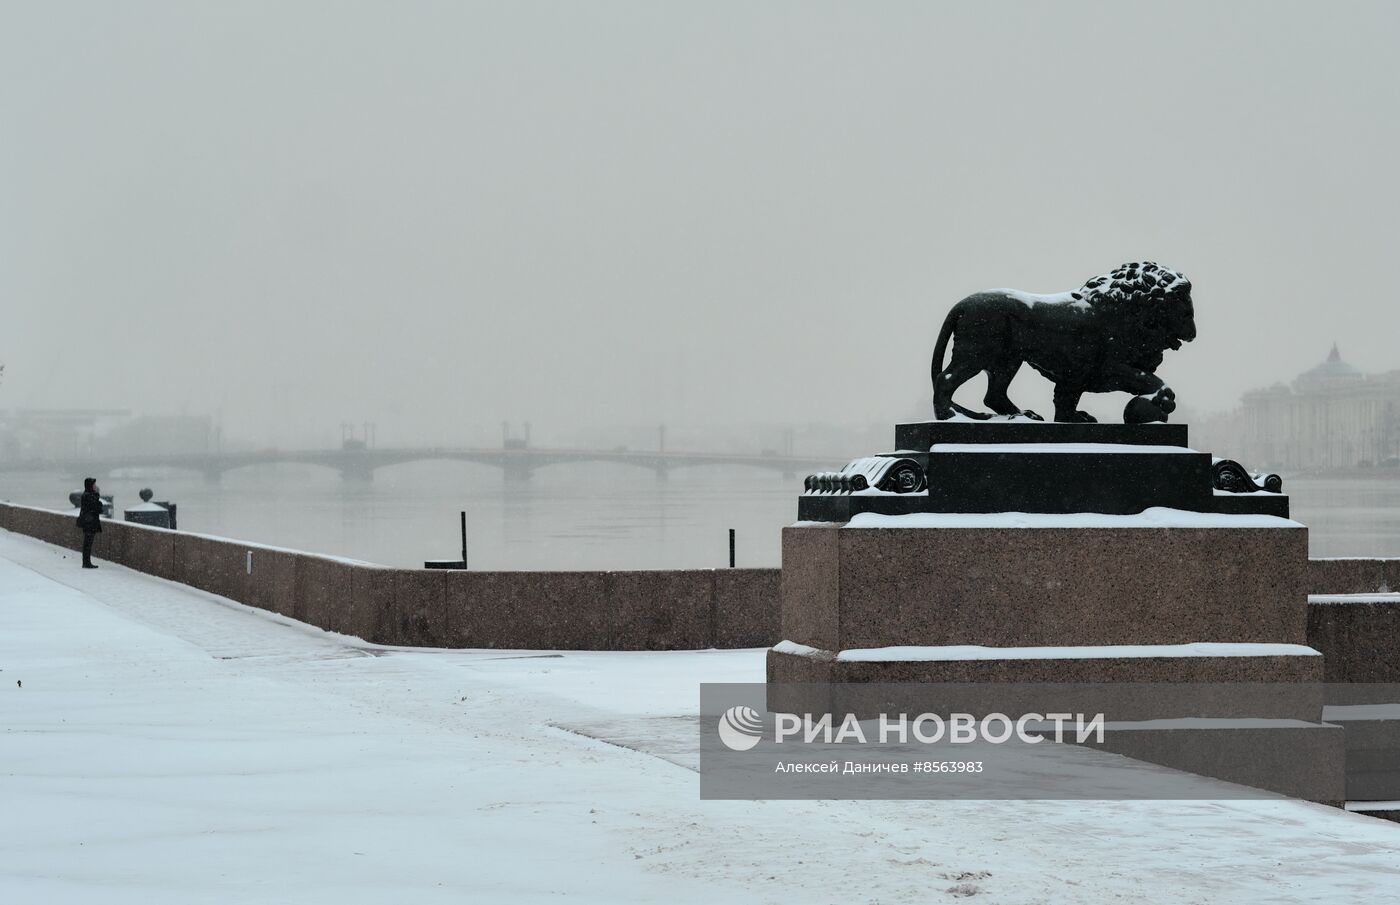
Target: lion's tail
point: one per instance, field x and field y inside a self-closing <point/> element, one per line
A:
<point x="941" y="348"/>
<point x="940" y="351"/>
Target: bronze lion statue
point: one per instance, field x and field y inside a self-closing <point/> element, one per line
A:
<point x="1107" y="336"/>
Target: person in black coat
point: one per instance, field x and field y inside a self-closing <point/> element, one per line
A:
<point x="89" y="519"/>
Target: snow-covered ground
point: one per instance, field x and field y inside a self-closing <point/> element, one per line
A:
<point x="170" y="746"/>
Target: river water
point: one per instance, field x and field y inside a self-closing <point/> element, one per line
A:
<point x="580" y="516"/>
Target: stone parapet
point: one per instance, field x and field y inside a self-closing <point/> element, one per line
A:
<point x="679" y="609"/>
<point x="1358" y="635"/>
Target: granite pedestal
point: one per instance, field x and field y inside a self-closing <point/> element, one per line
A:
<point x="1016" y="553"/>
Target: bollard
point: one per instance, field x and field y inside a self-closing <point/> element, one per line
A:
<point x="150" y="513"/>
<point x="731" y="548"/>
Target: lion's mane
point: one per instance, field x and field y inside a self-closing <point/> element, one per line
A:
<point x="1132" y="283"/>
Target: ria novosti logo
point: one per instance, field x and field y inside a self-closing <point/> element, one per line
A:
<point x="740" y="728"/>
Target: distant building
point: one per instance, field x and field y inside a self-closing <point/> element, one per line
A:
<point x="1331" y="416"/>
<point x="40" y="435"/>
<point x="155" y="435"/>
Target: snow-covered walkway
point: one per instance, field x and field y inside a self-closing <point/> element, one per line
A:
<point x="170" y="746"/>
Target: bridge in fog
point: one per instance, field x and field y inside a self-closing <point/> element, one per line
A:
<point x="356" y="463"/>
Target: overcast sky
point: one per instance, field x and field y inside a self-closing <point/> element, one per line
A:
<point x="293" y="214"/>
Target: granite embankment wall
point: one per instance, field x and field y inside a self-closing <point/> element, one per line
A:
<point x="1359" y="639"/>
<point x="642" y="610"/>
<point x="1353" y="576"/>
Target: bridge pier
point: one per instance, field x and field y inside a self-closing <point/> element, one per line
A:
<point x="213" y="476"/>
<point x="516" y="472"/>
<point x="359" y="472"/>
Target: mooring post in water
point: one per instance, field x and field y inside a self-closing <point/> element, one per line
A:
<point x="731" y="548"/>
<point x="464" y="538"/>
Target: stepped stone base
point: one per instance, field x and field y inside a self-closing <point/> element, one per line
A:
<point x="1298" y="760"/>
<point x="1251" y="720"/>
<point x="1278" y="686"/>
<point x="1043" y="568"/>
<point x="1372" y="747"/>
<point x="1291" y="664"/>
